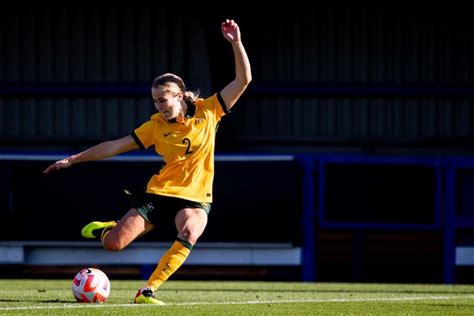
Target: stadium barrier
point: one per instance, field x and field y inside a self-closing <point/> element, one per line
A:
<point x="301" y="196"/>
<point x="92" y="253"/>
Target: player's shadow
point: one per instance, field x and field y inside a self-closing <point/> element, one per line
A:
<point x="35" y="301"/>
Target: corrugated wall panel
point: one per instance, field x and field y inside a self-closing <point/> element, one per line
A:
<point x="93" y="46"/>
<point x="363" y="46"/>
<point x="361" y="119"/>
<point x="76" y="117"/>
<point x="366" y="47"/>
<point x="101" y="45"/>
<point x="372" y="47"/>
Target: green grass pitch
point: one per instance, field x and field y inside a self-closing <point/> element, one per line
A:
<point x="54" y="297"/>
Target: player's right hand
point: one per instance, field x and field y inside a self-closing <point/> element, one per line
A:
<point x="64" y="163"/>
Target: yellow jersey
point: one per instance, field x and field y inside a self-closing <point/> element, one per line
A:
<point x="187" y="147"/>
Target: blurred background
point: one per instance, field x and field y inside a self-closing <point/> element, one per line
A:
<point x="349" y="158"/>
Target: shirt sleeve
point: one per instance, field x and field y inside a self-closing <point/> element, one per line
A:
<point x="143" y="135"/>
<point x="216" y="104"/>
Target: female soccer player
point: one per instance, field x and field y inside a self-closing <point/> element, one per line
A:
<point x="183" y="133"/>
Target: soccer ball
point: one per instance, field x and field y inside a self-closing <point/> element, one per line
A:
<point x="91" y="286"/>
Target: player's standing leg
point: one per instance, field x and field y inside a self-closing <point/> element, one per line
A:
<point x="190" y="223"/>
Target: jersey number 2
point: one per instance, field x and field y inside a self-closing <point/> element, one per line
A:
<point x="187" y="141"/>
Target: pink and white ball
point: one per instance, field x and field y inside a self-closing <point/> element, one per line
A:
<point x="91" y="286"/>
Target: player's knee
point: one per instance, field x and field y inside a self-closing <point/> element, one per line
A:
<point x="190" y="236"/>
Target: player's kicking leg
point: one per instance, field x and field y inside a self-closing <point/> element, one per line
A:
<point x="117" y="235"/>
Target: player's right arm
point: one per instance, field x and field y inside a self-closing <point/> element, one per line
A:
<point x="101" y="151"/>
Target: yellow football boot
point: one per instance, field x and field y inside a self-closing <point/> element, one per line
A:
<point x="146" y="296"/>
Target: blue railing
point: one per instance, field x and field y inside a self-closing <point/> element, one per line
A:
<point x="444" y="219"/>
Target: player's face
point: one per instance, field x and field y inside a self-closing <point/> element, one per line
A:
<point x="167" y="101"/>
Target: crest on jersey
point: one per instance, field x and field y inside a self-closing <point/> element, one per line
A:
<point x="198" y="121"/>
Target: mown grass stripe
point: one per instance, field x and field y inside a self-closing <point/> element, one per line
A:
<point x="342" y="300"/>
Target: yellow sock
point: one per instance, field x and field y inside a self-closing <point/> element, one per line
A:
<point x="169" y="263"/>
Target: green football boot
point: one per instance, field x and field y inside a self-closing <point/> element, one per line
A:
<point x="95" y="229"/>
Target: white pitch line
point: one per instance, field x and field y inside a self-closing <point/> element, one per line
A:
<point x="342" y="300"/>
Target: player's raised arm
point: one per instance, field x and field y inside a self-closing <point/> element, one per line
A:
<point x="101" y="151"/>
<point x="243" y="74"/>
